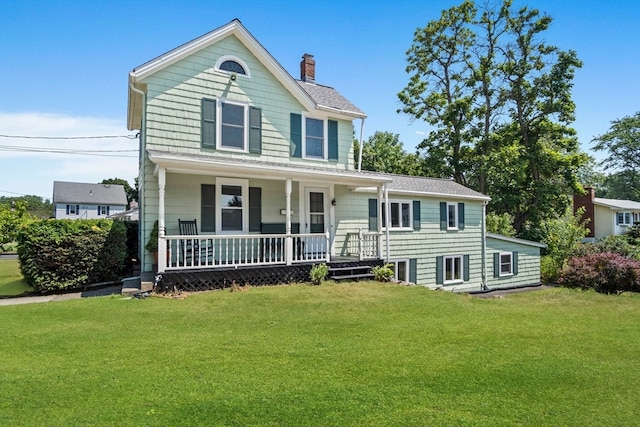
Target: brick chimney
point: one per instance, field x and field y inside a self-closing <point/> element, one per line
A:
<point x="589" y="210"/>
<point x="308" y="68"/>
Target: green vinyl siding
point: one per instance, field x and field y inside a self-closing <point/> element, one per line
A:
<point x="526" y="267"/>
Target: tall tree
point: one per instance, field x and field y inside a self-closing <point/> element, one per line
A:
<point x="622" y="143"/>
<point x="132" y="194"/>
<point x="499" y="100"/>
<point x="383" y="152"/>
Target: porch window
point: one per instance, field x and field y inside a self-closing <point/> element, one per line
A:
<point x="400" y="213"/>
<point x="232" y="207"/>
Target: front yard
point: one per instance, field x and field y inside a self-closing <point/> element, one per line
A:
<point x="336" y="354"/>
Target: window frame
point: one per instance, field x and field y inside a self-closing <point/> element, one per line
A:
<point x="456" y="224"/>
<point x="400" y="203"/>
<point x="245" y="125"/>
<point x="325" y="138"/>
<point x="395" y="263"/>
<point x="244" y="184"/>
<point x="103" y="210"/>
<point x="460" y="269"/>
<point x="225" y="58"/>
<point x="501" y="263"/>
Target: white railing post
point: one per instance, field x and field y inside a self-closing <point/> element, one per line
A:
<point x="327" y="236"/>
<point x="289" y="249"/>
<point x="360" y="245"/>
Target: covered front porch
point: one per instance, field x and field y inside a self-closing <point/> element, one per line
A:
<point x="260" y="215"/>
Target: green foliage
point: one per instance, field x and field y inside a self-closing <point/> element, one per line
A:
<point x="318" y="273"/>
<point x="622" y="143"/>
<point x="383" y="273"/>
<point x="466" y="70"/>
<point x="500" y="224"/>
<point x="36" y="206"/>
<point x="132" y="194"/>
<point x="383" y="152"/>
<point x="561" y="236"/>
<point x="67" y="254"/>
<point x="605" y="272"/>
<point x="12" y="217"/>
<point x="152" y="243"/>
<point x="623" y="245"/>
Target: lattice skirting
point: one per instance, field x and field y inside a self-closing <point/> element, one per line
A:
<point x="220" y="278"/>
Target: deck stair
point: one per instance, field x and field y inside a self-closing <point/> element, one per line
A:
<point x="353" y="272"/>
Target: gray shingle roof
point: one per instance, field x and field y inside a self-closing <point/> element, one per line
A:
<point x="618" y="204"/>
<point x="94" y="194"/>
<point x="431" y="186"/>
<point x="326" y="96"/>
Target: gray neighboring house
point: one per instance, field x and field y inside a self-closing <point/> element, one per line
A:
<point x="78" y="200"/>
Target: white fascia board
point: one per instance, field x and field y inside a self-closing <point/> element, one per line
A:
<point x="205" y="166"/>
<point x="344" y="113"/>
<point x="422" y="194"/>
<point x="515" y="240"/>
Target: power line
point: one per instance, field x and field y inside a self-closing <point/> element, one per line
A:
<point x="70" y="137"/>
<point x="103" y="153"/>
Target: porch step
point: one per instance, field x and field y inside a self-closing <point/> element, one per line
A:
<point x="351" y="273"/>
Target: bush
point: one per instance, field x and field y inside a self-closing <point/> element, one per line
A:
<point x="318" y="273"/>
<point x="621" y="245"/>
<point x="549" y="270"/>
<point x="67" y="254"/>
<point x="607" y="273"/>
<point x="382" y="273"/>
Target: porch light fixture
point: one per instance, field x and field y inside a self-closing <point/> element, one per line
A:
<point x="333" y="202"/>
<point x="233" y="76"/>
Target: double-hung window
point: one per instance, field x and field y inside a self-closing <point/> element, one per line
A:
<point x="231" y="125"/>
<point x="73" y="209"/>
<point x="400" y="270"/>
<point x="314" y="142"/>
<point x="506" y="264"/>
<point x="232" y="195"/>
<point x="103" y="210"/>
<point x="452" y="216"/>
<point x="400" y="214"/>
<point x="453" y="269"/>
<point x="623" y="218"/>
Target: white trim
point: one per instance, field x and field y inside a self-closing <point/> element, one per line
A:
<point x="245" y="136"/>
<point x="510" y="273"/>
<point x="325" y="139"/>
<point x="455" y="215"/>
<point x="233" y="58"/>
<point x="244" y="184"/>
<point x="400" y="202"/>
<point x="444" y="269"/>
<point x="395" y="270"/>
<point x="420" y="193"/>
<point x="515" y="240"/>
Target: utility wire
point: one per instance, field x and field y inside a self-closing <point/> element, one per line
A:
<point x="70" y="137"/>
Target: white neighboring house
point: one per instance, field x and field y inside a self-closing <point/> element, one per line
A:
<point x="607" y="217"/>
<point x="78" y="200"/>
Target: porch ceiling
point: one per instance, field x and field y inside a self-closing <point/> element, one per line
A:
<point x="208" y="165"/>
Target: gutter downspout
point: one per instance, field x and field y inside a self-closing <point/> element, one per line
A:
<point x="484" y="246"/>
<point x="361" y="146"/>
<point x="141" y="206"/>
<point x="386" y="222"/>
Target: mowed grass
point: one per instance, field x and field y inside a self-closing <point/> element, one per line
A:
<point x="11" y="280"/>
<point x="363" y="354"/>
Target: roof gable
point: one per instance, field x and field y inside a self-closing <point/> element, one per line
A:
<point x="91" y="194"/>
<point x="324" y="99"/>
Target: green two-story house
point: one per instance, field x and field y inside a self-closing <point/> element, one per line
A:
<point x="246" y="168"/>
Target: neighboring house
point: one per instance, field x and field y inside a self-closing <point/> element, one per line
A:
<point x="78" y="200"/>
<point x="264" y="164"/>
<point x="132" y="214"/>
<point x="607" y="217"/>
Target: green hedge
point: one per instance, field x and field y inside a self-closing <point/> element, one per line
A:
<point x="67" y="254"/>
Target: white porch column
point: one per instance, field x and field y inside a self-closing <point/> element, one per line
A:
<point x="289" y="239"/>
<point x="387" y="220"/>
<point x="379" y="225"/>
<point x="162" y="243"/>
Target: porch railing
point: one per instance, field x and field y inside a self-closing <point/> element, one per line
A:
<point x="363" y="244"/>
<point x="196" y="252"/>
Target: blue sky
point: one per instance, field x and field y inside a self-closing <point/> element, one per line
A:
<point x="64" y="66"/>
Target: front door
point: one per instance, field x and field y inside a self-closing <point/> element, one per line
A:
<point x="317" y="219"/>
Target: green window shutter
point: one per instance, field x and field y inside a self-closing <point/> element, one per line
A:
<point x="333" y="140"/>
<point x="496" y="265"/>
<point x="514" y="259"/>
<point x="98" y="210"/>
<point x="77" y="209"/>
<point x="67" y="209"/>
<point x="373" y="214"/>
<point x="439" y="272"/>
<point x="460" y="216"/>
<point x="296" y="135"/>
<point x="443" y="216"/>
<point x="255" y="130"/>
<point x="207" y="207"/>
<point x="208" y="125"/>
<point x="255" y="209"/>
<point x="413" y="270"/>
<point x="416" y="215"/>
<point x="465" y="267"/>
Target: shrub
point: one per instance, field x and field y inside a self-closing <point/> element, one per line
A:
<point x="549" y="270"/>
<point x="382" y="273"/>
<point x="318" y="273"/>
<point x="621" y="245"/>
<point x="607" y="273"/>
<point x="67" y="254"/>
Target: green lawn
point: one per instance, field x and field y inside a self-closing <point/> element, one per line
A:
<point x="363" y="354"/>
<point x="11" y="281"/>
